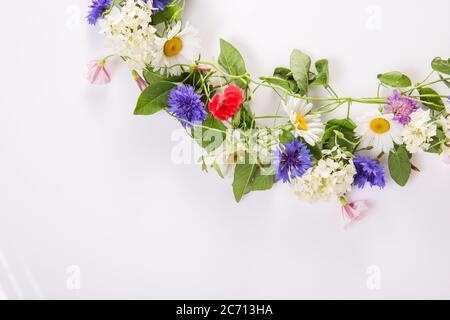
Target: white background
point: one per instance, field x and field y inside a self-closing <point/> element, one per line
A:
<point x="88" y="189"/>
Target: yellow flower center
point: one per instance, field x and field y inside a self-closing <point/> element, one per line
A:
<point x="380" y="125"/>
<point x="173" y="47"/>
<point x="300" y="122"/>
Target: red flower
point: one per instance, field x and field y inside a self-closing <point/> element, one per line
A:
<point x="224" y="107"/>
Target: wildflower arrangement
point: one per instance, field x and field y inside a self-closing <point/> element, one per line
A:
<point x="212" y="101"/>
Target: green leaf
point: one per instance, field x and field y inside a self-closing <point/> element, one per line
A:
<point x="154" y="98"/>
<point x="447" y="83"/>
<point x="346" y="127"/>
<point x="395" y="79"/>
<point x="231" y="60"/>
<point x="286" y="137"/>
<point x="211" y="135"/>
<point x="315" y="150"/>
<point x="344" y="123"/>
<point x="399" y="165"/>
<point x="152" y="76"/>
<point x="322" y="77"/>
<point x="263" y="182"/>
<point x="300" y="65"/>
<point x="283" y="73"/>
<point x="243" y="177"/>
<point x="288" y="85"/>
<point x="169" y="14"/>
<point x="441" y="65"/>
<point x="434" y="103"/>
<point x="437" y="142"/>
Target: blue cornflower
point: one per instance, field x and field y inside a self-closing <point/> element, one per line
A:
<point x="368" y="171"/>
<point x="186" y="104"/>
<point x="160" y="4"/>
<point x="292" y="161"/>
<point x="98" y="7"/>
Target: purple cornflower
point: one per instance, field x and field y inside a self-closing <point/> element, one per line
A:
<point x="160" y="4"/>
<point x="292" y="161"/>
<point x="185" y="104"/>
<point x="401" y="106"/>
<point x="368" y="171"/>
<point x="98" y="7"/>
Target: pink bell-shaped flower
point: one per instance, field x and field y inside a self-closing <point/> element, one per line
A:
<point x="353" y="211"/>
<point x="142" y="84"/>
<point x="97" y="72"/>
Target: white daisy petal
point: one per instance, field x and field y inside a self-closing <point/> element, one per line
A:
<point x="378" y="131"/>
<point x="186" y="53"/>
<point x="307" y="126"/>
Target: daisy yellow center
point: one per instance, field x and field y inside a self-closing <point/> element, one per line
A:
<point x="380" y="125"/>
<point x="173" y="47"/>
<point x="300" y="122"/>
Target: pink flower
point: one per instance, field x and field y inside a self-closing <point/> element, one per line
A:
<point x="353" y="211"/>
<point x="203" y="68"/>
<point x="142" y="84"/>
<point x="97" y="73"/>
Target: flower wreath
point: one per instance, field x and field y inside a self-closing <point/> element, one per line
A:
<point x="212" y="102"/>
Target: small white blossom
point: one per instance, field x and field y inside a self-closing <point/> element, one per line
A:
<point x="332" y="177"/>
<point x="259" y="144"/>
<point x="418" y="134"/>
<point x="129" y="32"/>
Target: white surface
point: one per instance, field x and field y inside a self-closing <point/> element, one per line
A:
<point x="85" y="184"/>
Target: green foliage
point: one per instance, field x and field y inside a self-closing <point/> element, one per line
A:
<point x="286" y="137"/>
<point x="169" y="14"/>
<point x="316" y="151"/>
<point x="243" y="177"/>
<point x="211" y="135"/>
<point x="285" y="74"/>
<point x="152" y="76"/>
<point x="285" y="84"/>
<point x="232" y="61"/>
<point x="340" y="132"/>
<point x="244" y="118"/>
<point x="434" y="103"/>
<point x="154" y="98"/>
<point x="262" y="181"/>
<point x="447" y="83"/>
<point x="441" y="65"/>
<point x="322" y="78"/>
<point x="300" y="66"/>
<point x="400" y="165"/>
<point x="395" y="79"/>
<point x="437" y="142"/>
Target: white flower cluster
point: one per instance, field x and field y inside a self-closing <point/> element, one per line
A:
<point x="260" y="144"/>
<point x="263" y="144"/>
<point x="332" y="177"/>
<point x="130" y="33"/>
<point x="418" y="134"/>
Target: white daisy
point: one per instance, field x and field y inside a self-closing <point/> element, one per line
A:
<point x="180" y="46"/>
<point x="378" y="131"/>
<point x="307" y="126"/>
